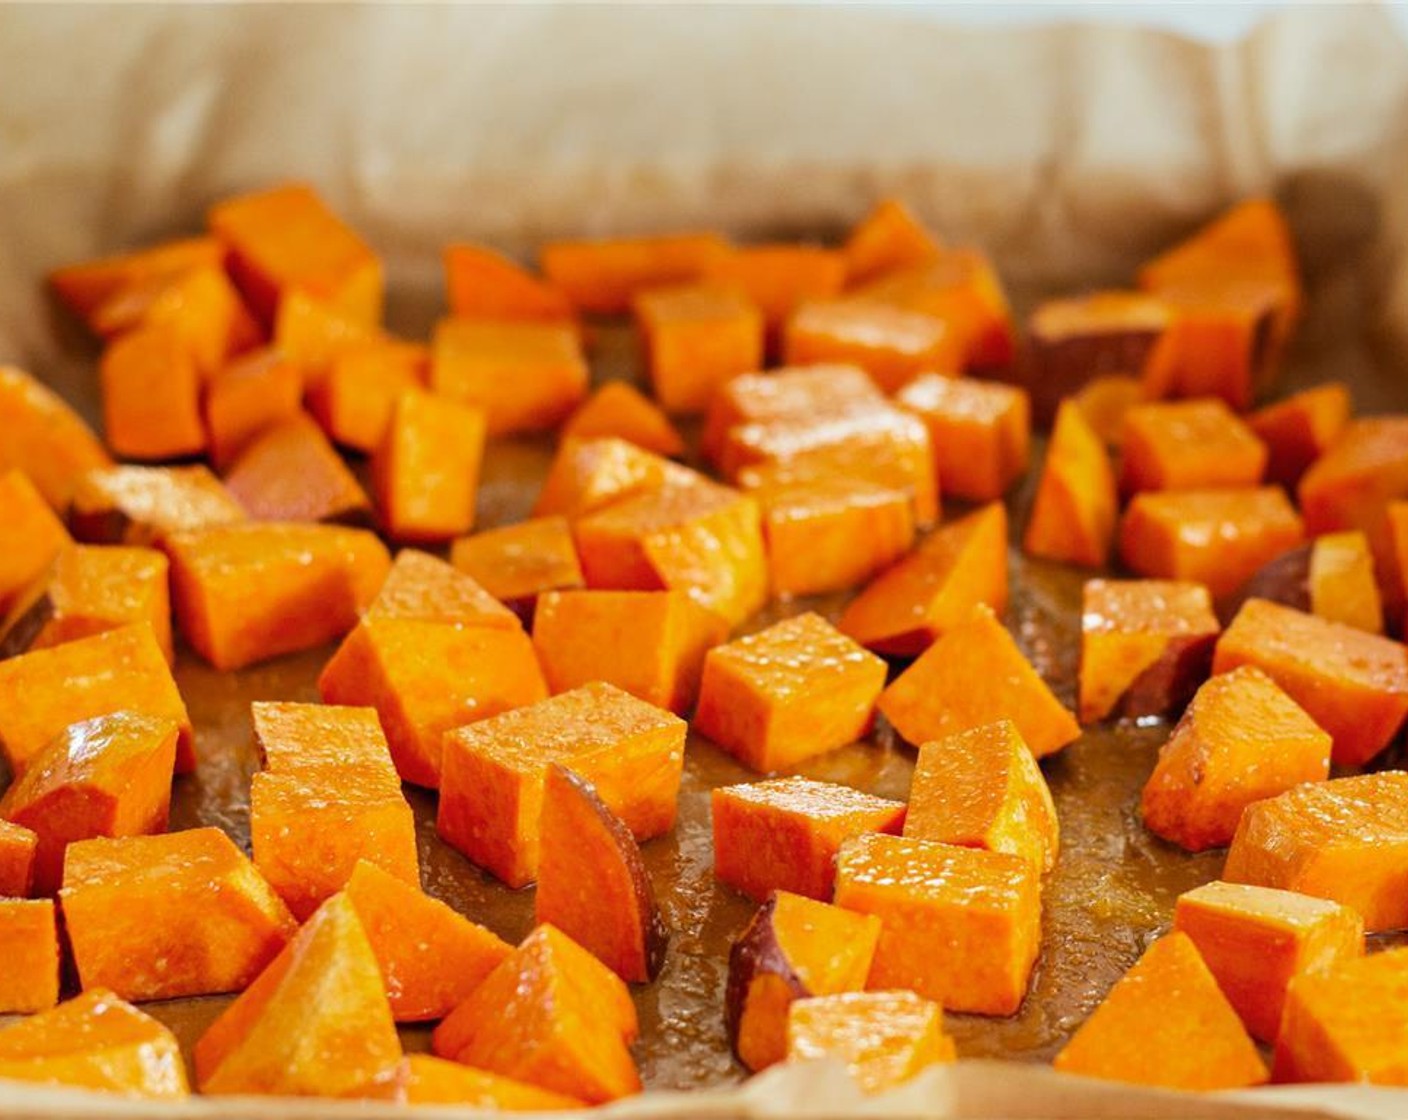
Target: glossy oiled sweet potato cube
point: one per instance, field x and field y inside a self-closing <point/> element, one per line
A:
<point x="151" y="396"/>
<point x="778" y="278"/>
<point x="483" y="284"/>
<point x="697" y="338"/>
<point x="426" y="469"/>
<point x="34" y="536"/>
<point x="1332" y="577"/>
<point x="18" y="846"/>
<point x="145" y="505"/>
<point x="1301" y="428"/>
<point x="882" y="1038"/>
<point x="887" y="239"/>
<point x="425" y="588"/>
<point x="29" y="940"/>
<point x="254" y="393"/>
<point x="517" y="563"/>
<point x="981" y="431"/>
<point x="1346" y="1023"/>
<point x="354" y="396"/>
<point x="603" y="275"/>
<point x="292" y="473"/>
<point x="587" y="475"/>
<point x="618" y="410"/>
<point x="42" y="436"/>
<point x="313" y="332"/>
<point x="892" y="345"/>
<point x="87" y="285"/>
<point x="1073" y="515"/>
<point x="1189" y="445"/>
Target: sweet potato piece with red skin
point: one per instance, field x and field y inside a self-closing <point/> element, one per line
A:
<point x="483" y="284"/>
<point x="256" y="392"/>
<point x="425" y="588"/>
<point x="1073" y="516"/>
<point x="1146" y="646"/>
<point x="43" y="692"/>
<point x="151" y="396"/>
<point x="783" y="834"/>
<point x="602" y="276"/>
<point x="95" y="1041"/>
<point x="17" y="849"/>
<point x="974" y="675"/>
<point x="109" y="776"/>
<point x="1353" y="684"/>
<point x="883" y="1038"/>
<point x="1255" y="940"/>
<point x="551" y="1015"/>
<point x="1300" y="429"/>
<point x="779" y="278"/>
<point x="86" y="286"/>
<point x="311" y="582"/>
<point x="592" y="883"/>
<point x="1345" y="840"/>
<point x="892" y="345"/>
<point x="589" y="475"/>
<point x="34" y="536"/>
<point x="1167" y="1024"/>
<point x="29" y="940"/>
<point x="161" y="917"/>
<point x="315" y="1023"/>
<point x="887" y="239"/>
<point x="292" y="473"/>
<point x="426" y="470"/>
<point x="981" y="432"/>
<point x="1346" y="1023"/>
<point x="618" y="410"/>
<point x="697" y="338"/>
<point x="354" y="396"/>
<point x="431" y="957"/>
<point x="425" y="1079"/>
<point x="1189" y="445"/>
<point x="1218" y="538"/>
<point x="792" y="949"/>
<point x="517" y="563"/>
<point x="1332" y="577"/>
<point x="1106" y="402"/>
<point x="144" y="505"/>
<point x="42" y="436"/>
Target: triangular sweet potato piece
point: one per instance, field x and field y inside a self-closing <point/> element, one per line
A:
<point x="619" y="410"/>
<point x="424" y="588"/>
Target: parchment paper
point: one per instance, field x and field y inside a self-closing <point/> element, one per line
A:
<point x="1071" y="153"/>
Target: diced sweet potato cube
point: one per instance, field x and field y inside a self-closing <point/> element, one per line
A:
<point x="779" y="278"/>
<point x="43" y="692"/>
<point x="34" y="536"/>
<point x="525" y="376"/>
<point x="426" y="678"/>
<point x="246" y="593"/>
<point x="29" y="940"/>
<point x="426" y="470"/>
<point x="982" y="788"/>
<point x="1189" y="445"/>
<point x="88" y="590"/>
<point x="797" y="689"/>
<point x="1353" y="483"/>
<point x="1073" y="514"/>
<point x="259" y="391"/>
<point x="145" y="505"/>
<point x="1341" y="584"/>
<point x="354" y="398"/>
<point x="292" y="473"/>
<point x="517" y="563"/>
<point x="425" y="1079"/>
<point x="314" y="333"/>
<point x="1241" y="740"/>
<point x="95" y="1041"/>
<point x="492" y="790"/>
<point x="1353" y="684"/>
<point x="423" y="587"/>
<point x="1106" y="402"/>
<point x="648" y="643"/>
<point x="603" y="276"/>
<point x="86" y="286"/>
<point x="697" y="338"/>
<point x="1255" y="940"/>
<point x="483" y="284"/>
<point x="17" y="850"/>
<point x="551" y="1015"/>
<point x="960" y="926"/>
<point x="933" y="589"/>
<point x="160" y="917"/>
<point x="1218" y="538"/>
<point x="1346" y="1022"/>
<point x="618" y="410"/>
<point x="1345" y="840"/>
<point x="431" y="957"/>
<point x="328" y="797"/>
<point x="793" y="948"/>
<point x="981" y="431"/>
<point x="882" y="1038"/>
<point x="1145" y="647"/>
<point x="315" y="1023"/>
<point x="1301" y="428"/>
<point x="1166" y="1023"/>
<point x="1072" y="341"/>
<point x="151" y="396"/>
<point x="892" y="345"/>
<point x="42" y="436"/>
<point x="974" y="675"/>
<point x="783" y="834"/>
<point x="108" y="776"/>
<point x="887" y="239"/>
<point x="286" y="239"/>
<point x="588" y="475"/>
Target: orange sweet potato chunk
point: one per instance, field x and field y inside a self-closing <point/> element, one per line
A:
<point x="1106" y="402"/>
<point x="483" y="284"/>
<point x="354" y="398"/>
<point x="315" y="1023"/>
<point x="603" y="276"/>
<point x="1218" y="538"/>
<point x="551" y="1015"/>
<point x="793" y="948"/>
<point x="1241" y="740"/>
<point x="779" y="278"/>
<point x="981" y="431"/>
<point x="982" y="788"/>
<point x="618" y="410"/>
<point x="34" y="536"/>
<point x="491" y="792"/>
<point x="161" y="917"/>
<point x="1341" y="584"/>
<point x="517" y="563"/>
<point x="108" y="776"/>
<point x="882" y="1038"/>
<point x="86" y="286"/>
<point x="783" y="834"/>
<point x="892" y="345"/>
<point x="1073" y="515"/>
<point x="1166" y="1023"/>
<point x="960" y="926"/>
<point x="648" y="643"/>
<point x="95" y="1041"/>
<point x="425" y="1079"/>
<point x="424" y="587"/>
<point x="975" y="674"/>
<point x="1189" y="445"/>
<point x="1353" y="684"/>
<point x="1345" y="840"/>
<point x="42" y="436"/>
<point x="431" y="957"/>
<point x="292" y="473"/>
<point x="1300" y="429"/>
<point x="43" y="692"/>
<point x="1346" y="1022"/>
<point x="244" y="593"/>
<point x="1145" y="647"/>
<point x="697" y="338"/>
<point x="151" y="396"/>
<point x="910" y="605"/>
<point x="1351" y="485"/>
<point x="426" y="470"/>
<point x="287" y="240"/>
<point x="314" y="334"/>
<point x="258" y="391"/>
<point x="18" y="846"/>
<point x="29" y="940"/>
<point x="1256" y="940"/>
<point x="798" y="689"/>
<point x="887" y="239"/>
<point x="588" y="475"/>
<point x="145" y="505"/>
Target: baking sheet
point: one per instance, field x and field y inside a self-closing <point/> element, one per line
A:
<point x="508" y="125"/>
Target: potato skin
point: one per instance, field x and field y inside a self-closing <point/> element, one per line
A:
<point x="756" y="952"/>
